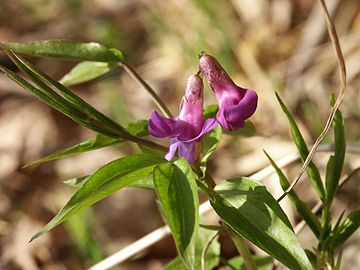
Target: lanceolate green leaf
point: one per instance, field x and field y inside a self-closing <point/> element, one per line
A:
<point x="312" y="171"/>
<point x="212" y="256"/>
<point x="106" y="180"/>
<point x="251" y="211"/>
<point x="346" y="228"/>
<point x="336" y="162"/>
<point x="91" y="144"/>
<point x="67" y="49"/>
<point x="87" y="71"/>
<point x="177" y="191"/>
<point x="42" y="80"/>
<point x="59" y="104"/>
<point x="302" y="209"/>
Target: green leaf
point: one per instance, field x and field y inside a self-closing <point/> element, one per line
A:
<point x="106" y="180"/>
<point x="346" y="228"/>
<point x="91" y="144"/>
<point x="212" y="256"/>
<point x="210" y="111"/>
<point x="67" y="49"/>
<point x="177" y="191"/>
<point x="303" y="210"/>
<point x="146" y="182"/>
<point x="138" y="128"/>
<point x="262" y="263"/>
<point x="312" y="171"/>
<point x="248" y="130"/>
<point x="209" y="143"/>
<point x="87" y="71"/>
<point x="336" y="162"/>
<point x="69" y="98"/>
<point x="250" y="210"/>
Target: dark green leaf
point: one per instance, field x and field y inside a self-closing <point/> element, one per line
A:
<point x="87" y="71"/>
<point x="209" y="143"/>
<point x="146" y="182"/>
<point x="347" y="227"/>
<point x="67" y="49"/>
<point x="76" y="103"/>
<point x="138" y="128"/>
<point x="262" y="263"/>
<point x="177" y="191"/>
<point x="250" y="210"/>
<point x="312" y="171"/>
<point x="91" y="144"/>
<point x="210" y="111"/>
<point x="248" y="130"/>
<point x="106" y="180"/>
<point x="212" y="256"/>
<point x="302" y="209"/>
<point x="336" y="162"/>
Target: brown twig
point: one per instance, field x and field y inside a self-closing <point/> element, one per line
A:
<point x="335" y="41"/>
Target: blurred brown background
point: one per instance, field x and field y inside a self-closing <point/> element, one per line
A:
<point x="267" y="45"/>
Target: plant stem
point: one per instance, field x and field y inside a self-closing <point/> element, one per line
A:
<point x="159" y="103"/>
<point x="243" y="249"/>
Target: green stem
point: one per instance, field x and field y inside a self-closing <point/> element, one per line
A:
<point x="243" y="249"/>
<point x="159" y="103"/>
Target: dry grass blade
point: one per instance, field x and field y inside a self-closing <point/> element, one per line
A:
<point x="335" y="41"/>
<point x="205" y="249"/>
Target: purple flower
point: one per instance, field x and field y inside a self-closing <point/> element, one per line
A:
<point x="236" y="104"/>
<point x="186" y="129"/>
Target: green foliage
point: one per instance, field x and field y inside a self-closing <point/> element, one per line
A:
<point x="303" y="210"/>
<point x="97" y="142"/>
<point x="209" y="144"/>
<point x="344" y="230"/>
<point x="312" y="171"/>
<point x="336" y="161"/>
<point x="262" y="263"/>
<point x="87" y="71"/>
<point x="211" y="257"/>
<point x="177" y="191"/>
<point x="250" y="210"/>
<point x="67" y="49"/>
<point x="106" y="180"/>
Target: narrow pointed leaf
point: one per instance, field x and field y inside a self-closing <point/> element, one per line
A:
<point x="106" y="180"/>
<point x="250" y="210"/>
<point x="41" y="79"/>
<point x="312" y="171"/>
<point x="303" y="210"/>
<point x="67" y="49"/>
<point x="97" y="142"/>
<point x="212" y="256"/>
<point x="59" y="104"/>
<point x="177" y="191"/>
<point x="336" y="162"/>
<point x="87" y="71"/>
<point x="346" y="228"/>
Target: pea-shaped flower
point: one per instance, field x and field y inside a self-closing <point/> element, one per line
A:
<point x="186" y="129"/>
<point x="236" y="104"/>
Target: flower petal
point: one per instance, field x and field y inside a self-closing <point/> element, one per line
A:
<point x="187" y="150"/>
<point x="237" y="114"/>
<point x="160" y="126"/>
<point x="208" y="125"/>
<point x="172" y="149"/>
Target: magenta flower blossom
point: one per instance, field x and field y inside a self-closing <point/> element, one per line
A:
<point x="186" y="129"/>
<point x="236" y="104"/>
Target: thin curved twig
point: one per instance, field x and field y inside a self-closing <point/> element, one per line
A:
<point x="205" y="249"/>
<point x="157" y="100"/>
<point x="335" y="41"/>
